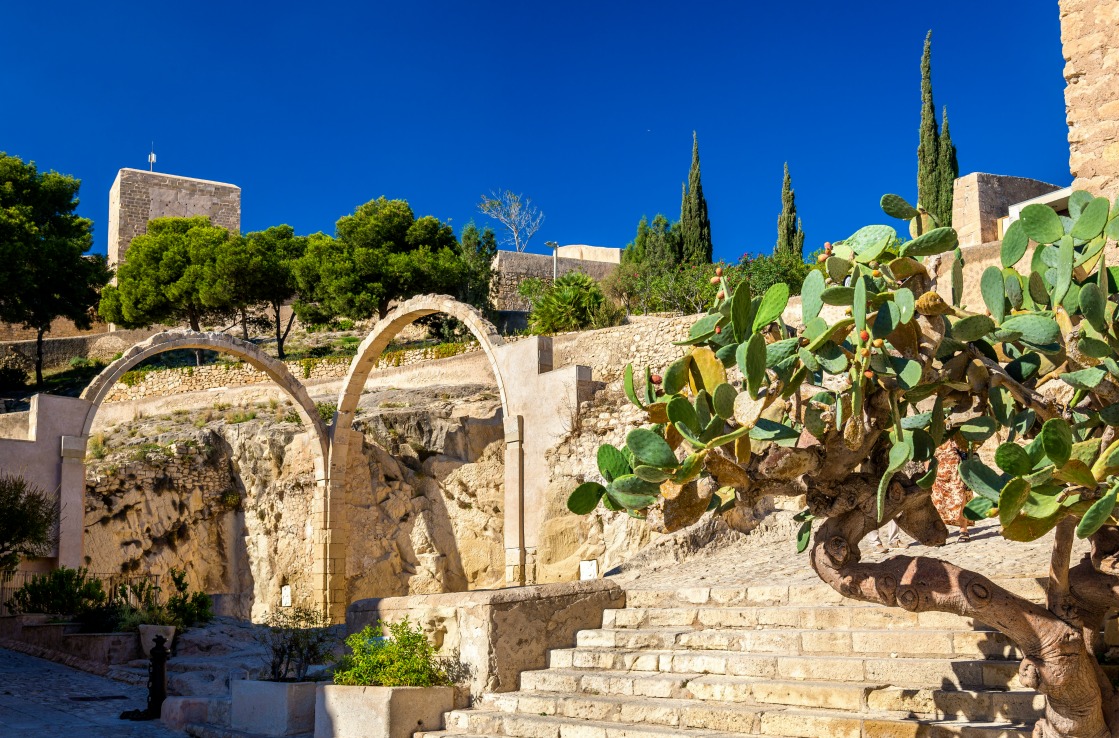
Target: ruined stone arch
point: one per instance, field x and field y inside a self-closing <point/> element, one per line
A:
<point x="331" y="518"/>
<point x="102" y="385"/>
<point x="160" y="343"/>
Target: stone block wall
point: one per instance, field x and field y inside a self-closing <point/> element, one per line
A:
<point x="57" y="352"/>
<point x="513" y="267"/>
<point x="1088" y="32"/>
<point x="979" y="201"/>
<point x="137" y="197"/>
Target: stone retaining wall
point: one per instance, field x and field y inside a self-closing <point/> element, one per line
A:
<point x="57" y="352"/>
<point x="139" y="384"/>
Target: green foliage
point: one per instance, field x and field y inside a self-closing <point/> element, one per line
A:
<point x="937" y="168"/>
<point x="47" y="272"/>
<point x="790" y="234"/>
<point x="1057" y="322"/>
<point x="381" y="253"/>
<point x="26" y="522"/>
<point x="297" y="639"/>
<point x="168" y="276"/>
<point x="326" y="411"/>
<point x="695" y="226"/>
<point x="570" y="304"/>
<point x="658" y="244"/>
<point x="405" y="658"/>
<point x="187" y="608"/>
<point x="63" y="591"/>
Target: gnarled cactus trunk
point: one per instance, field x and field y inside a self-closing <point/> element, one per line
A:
<point x="1058" y="659"/>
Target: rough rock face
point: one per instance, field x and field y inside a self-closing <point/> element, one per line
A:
<point x="230" y="502"/>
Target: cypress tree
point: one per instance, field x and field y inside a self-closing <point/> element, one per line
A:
<point x="928" y="148"/>
<point x="948" y="169"/>
<point x="790" y="236"/>
<point x="694" y="223"/>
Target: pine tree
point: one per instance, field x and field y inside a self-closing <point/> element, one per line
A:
<point x="694" y="223"/>
<point x="928" y="149"/>
<point x="948" y="170"/>
<point x="790" y="236"/>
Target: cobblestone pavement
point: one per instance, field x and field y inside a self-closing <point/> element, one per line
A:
<point x="39" y="698"/>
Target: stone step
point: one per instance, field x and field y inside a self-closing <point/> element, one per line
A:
<point x="915" y="672"/>
<point x="1016" y="705"/>
<point x="708" y="722"/>
<point x="795" y="594"/>
<point x="791" y="641"/>
<point x="827" y="617"/>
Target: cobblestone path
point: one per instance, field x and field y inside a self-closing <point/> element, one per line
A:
<point x="39" y="698"/>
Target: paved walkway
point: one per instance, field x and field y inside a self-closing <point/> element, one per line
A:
<point x="40" y="698"/>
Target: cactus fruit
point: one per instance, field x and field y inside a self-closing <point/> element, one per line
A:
<point x="716" y="280"/>
<point x="718" y="271"/>
<point x="864" y="336"/>
<point x="656" y="379"/>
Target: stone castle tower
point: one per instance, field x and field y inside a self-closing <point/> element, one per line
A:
<point x="138" y="197"/>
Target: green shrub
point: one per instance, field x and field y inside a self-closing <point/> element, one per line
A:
<point x="326" y="411"/>
<point x="96" y="448"/>
<point x="64" y="591"/>
<point x="403" y="659"/>
<point x="81" y="362"/>
<point x="134" y="377"/>
<point x="27" y="521"/>
<point x="297" y="639"/>
<point x="569" y="305"/>
<point x="318" y="352"/>
<point x="240" y="416"/>
<point x="188" y="609"/>
<point x="345" y="324"/>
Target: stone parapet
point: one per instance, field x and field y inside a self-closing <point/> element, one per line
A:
<point x="498" y="633"/>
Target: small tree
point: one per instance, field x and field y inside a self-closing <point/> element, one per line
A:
<point x="520" y="217"/>
<point x="168" y="276"/>
<point x="43" y="245"/>
<point x="790" y="233"/>
<point x="27" y="521"/>
<point x="855" y="410"/>
<point x="257" y="269"/>
<point x="695" y="226"/>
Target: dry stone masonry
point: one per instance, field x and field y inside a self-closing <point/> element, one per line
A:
<point x="1088" y="31"/>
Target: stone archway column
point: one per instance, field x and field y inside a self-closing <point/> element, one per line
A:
<point x="71" y="501"/>
<point x="514" y="522"/>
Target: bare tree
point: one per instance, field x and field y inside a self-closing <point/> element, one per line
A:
<point x="517" y="213"/>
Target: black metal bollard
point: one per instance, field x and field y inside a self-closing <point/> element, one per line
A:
<point x="157" y="684"/>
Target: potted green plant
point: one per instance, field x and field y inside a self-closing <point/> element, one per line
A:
<point x="386" y="687"/>
<point x="283" y="703"/>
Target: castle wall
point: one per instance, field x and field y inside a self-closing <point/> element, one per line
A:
<point x="1088" y="33"/>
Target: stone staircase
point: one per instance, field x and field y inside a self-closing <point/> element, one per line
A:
<point x="786" y="662"/>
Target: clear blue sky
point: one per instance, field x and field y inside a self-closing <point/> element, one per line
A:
<point x="586" y="107"/>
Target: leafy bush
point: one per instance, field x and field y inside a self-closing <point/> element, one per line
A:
<point x="64" y="591"/>
<point x="403" y="659"/>
<point x="326" y="411"/>
<point x="345" y="324"/>
<point x="27" y="518"/>
<point x="188" y="609"/>
<point x="296" y="641"/>
<point x="568" y="305"/>
<point x="81" y="362"/>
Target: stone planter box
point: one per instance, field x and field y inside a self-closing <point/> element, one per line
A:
<point x="273" y="708"/>
<point x="379" y="712"/>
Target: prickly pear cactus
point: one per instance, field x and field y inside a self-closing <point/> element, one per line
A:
<point x="850" y="410"/>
